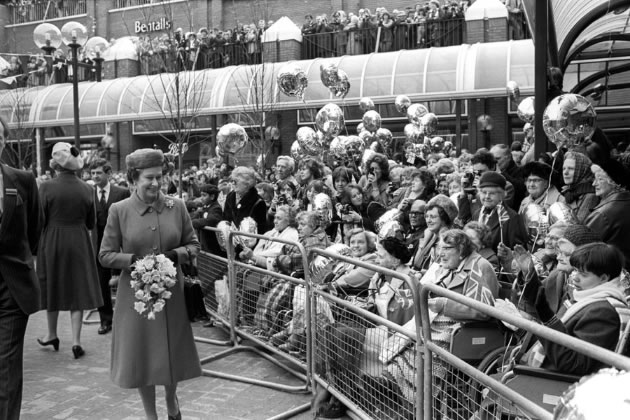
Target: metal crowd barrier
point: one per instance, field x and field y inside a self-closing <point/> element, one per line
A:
<point x="353" y="353"/>
<point x="465" y="381"/>
<point x="245" y="319"/>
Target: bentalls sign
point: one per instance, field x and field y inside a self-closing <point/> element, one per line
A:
<point x="158" y="25"/>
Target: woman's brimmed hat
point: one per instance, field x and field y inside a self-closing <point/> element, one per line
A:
<point x="66" y="156"/>
<point x="144" y="158"/>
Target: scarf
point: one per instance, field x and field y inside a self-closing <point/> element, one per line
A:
<point x="610" y="291"/>
<point x="582" y="177"/>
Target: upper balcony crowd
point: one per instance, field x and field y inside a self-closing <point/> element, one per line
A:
<point x="431" y="24"/>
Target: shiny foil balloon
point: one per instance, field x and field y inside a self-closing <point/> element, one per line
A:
<point x="353" y="146"/>
<point x="402" y="103"/>
<point x="388" y="216"/>
<point x="437" y="144"/>
<point x="569" y="120"/>
<point x="342" y="87"/>
<point x="329" y="120"/>
<point x="248" y="225"/>
<point x="385" y="137"/>
<point x="340" y="249"/>
<point x="391" y="229"/>
<point x="536" y="223"/>
<point x="296" y="151"/>
<point x="367" y="137"/>
<point x="372" y="121"/>
<point x="292" y="81"/>
<point x="322" y="204"/>
<point x="603" y="395"/>
<point x="560" y="212"/>
<point x="415" y="112"/>
<point x="360" y="128"/>
<point x="232" y="138"/>
<point x="328" y="74"/>
<point x="513" y="90"/>
<point x="429" y="124"/>
<point x="336" y="148"/>
<point x="525" y="110"/>
<point x="413" y="133"/>
<point x="308" y="141"/>
<point x="366" y="104"/>
<point x="224" y="228"/>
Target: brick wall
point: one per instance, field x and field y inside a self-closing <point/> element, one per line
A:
<point x="489" y="30"/>
<point x="277" y="52"/>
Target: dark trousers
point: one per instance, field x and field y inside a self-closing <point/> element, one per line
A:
<point x="106" y="311"/>
<point x="12" y="328"/>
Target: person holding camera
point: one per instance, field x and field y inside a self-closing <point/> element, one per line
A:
<point x="376" y="182"/>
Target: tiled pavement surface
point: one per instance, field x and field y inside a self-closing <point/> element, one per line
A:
<point x="58" y="387"/>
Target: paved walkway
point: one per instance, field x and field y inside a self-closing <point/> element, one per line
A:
<point x="58" y="387"/>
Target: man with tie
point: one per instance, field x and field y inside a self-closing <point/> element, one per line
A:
<point x="20" y="294"/>
<point x="505" y="225"/>
<point x="106" y="195"/>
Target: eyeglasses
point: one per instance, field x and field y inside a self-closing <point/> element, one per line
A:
<point x="415" y="213"/>
<point x="431" y="216"/>
<point x="534" y="180"/>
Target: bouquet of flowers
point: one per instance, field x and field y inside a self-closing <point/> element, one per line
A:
<point x="151" y="278"/>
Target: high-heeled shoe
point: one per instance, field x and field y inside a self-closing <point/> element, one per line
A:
<point x="54" y="342"/>
<point x="177" y="416"/>
<point x="77" y="351"/>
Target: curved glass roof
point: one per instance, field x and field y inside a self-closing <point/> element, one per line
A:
<point x="459" y="72"/>
<point x="578" y="22"/>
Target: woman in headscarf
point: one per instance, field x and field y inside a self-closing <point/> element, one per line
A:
<point x="578" y="191"/>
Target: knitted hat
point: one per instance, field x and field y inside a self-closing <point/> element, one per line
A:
<point x="446" y="204"/>
<point x="492" y="179"/>
<point x="539" y="169"/>
<point x="66" y="156"/>
<point x="144" y="158"/>
<point x="396" y="248"/>
<point x="615" y="171"/>
<point x="580" y="235"/>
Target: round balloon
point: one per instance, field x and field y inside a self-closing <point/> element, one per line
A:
<point x="385" y="137"/>
<point x="308" y="141"/>
<point x="437" y="144"/>
<point x="342" y="87"/>
<point x="328" y="74"/>
<point x="429" y="124"/>
<point x="322" y="204"/>
<point x="560" y="212"/>
<point x="353" y="146"/>
<point x="248" y="225"/>
<point x="372" y="121"/>
<point x="337" y="149"/>
<point x="232" y="138"/>
<point x="224" y="228"/>
<point x="413" y="133"/>
<point x="296" y="151"/>
<point x="366" y="104"/>
<point x="402" y="103"/>
<point x="390" y="229"/>
<point x="329" y="120"/>
<point x="569" y="120"/>
<point x="513" y="90"/>
<point x="360" y="128"/>
<point x="292" y="81"/>
<point x="525" y="110"/>
<point x="415" y="112"/>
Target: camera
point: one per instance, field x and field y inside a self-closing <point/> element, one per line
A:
<point x="345" y="209"/>
<point x="282" y="199"/>
<point x="371" y="171"/>
<point x="468" y="179"/>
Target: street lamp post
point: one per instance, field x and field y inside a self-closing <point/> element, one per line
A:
<point x="75" y="35"/>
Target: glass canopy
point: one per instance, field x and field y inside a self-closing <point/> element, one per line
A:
<point x="459" y="72"/>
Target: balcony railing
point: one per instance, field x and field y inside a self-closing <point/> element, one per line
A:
<point x="121" y="4"/>
<point x="405" y="36"/>
<point x="37" y="10"/>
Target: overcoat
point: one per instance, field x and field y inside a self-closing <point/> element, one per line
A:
<point x="160" y="351"/>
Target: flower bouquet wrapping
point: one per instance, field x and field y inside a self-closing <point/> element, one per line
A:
<point x="151" y="278"/>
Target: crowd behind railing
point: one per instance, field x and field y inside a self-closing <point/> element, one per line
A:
<point x="24" y="11"/>
<point x="544" y="236"/>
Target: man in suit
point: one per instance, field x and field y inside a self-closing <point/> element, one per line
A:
<point x="20" y="227"/>
<point x="106" y="195"/>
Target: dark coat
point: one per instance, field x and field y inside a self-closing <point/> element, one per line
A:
<point x="161" y="351"/>
<point x="251" y="205"/>
<point x="610" y="220"/>
<point x="66" y="262"/>
<point x="209" y="215"/>
<point x="598" y="323"/>
<point x="19" y="236"/>
<point x="514" y="231"/>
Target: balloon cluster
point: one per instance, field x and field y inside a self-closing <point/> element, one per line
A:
<point x="335" y="79"/>
<point x="231" y="138"/>
<point x="292" y="81"/>
<point x="247" y="225"/>
<point x="329" y="122"/>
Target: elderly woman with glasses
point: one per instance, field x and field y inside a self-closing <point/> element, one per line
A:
<point x="243" y="201"/>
